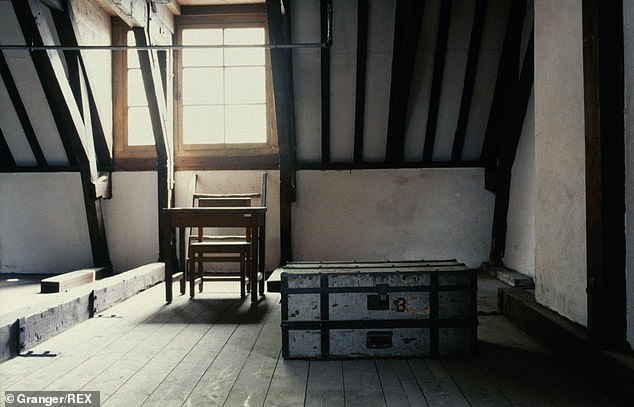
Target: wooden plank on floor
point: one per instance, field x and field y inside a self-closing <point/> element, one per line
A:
<point x="156" y="359"/>
<point x="361" y="384"/>
<point x="253" y="382"/>
<point x="214" y="386"/>
<point x="179" y="383"/>
<point x="123" y="359"/>
<point x="85" y="340"/>
<point x="438" y="387"/>
<point x="325" y="384"/>
<point x="118" y="364"/>
<point x="398" y="383"/>
<point x="474" y="383"/>
<point x="288" y="387"/>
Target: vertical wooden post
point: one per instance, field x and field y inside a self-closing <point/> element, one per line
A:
<point x="605" y="172"/>
<point x="282" y="69"/>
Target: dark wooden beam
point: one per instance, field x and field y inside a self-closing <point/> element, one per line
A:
<point x="69" y="124"/>
<point x="6" y="158"/>
<point x="325" y="7"/>
<point x="408" y="20"/>
<point x="156" y="102"/>
<point x="20" y="110"/>
<point x="508" y="72"/>
<point x="282" y="71"/>
<point x="359" y="103"/>
<point x="37" y="169"/>
<point x="469" y="79"/>
<point x="604" y="103"/>
<point x="45" y="70"/>
<point x="507" y="152"/>
<point x="67" y="32"/>
<point x="440" y="55"/>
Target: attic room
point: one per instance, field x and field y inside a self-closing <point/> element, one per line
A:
<point x="485" y="137"/>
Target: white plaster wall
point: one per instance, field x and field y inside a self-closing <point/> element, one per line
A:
<point x="392" y="215"/>
<point x="131" y="220"/>
<point x="520" y="235"/>
<point x="238" y="182"/>
<point x="560" y="252"/>
<point x="43" y="226"/>
<point x="628" y="29"/>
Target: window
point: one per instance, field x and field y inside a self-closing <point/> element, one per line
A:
<point x="222" y="99"/>
<point x="223" y="93"/>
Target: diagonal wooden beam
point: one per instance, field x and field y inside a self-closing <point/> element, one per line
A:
<point x="440" y="55"/>
<point x="359" y="104"/>
<point x="67" y="32"/>
<point x="20" y="110"/>
<point x="69" y="123"/>
<point x="282" y="71"/>
<point x="154" y="92"/>
<point x="507" y="152"/>
<point x="469" y="79"/>
<point x="325" y="7"/>
<point x="6" y="158"/>
<point x="59" y="97"/>
<point x="604" y="103"/>
<point x="508" y="72"/>
<point x="407" y="23"/>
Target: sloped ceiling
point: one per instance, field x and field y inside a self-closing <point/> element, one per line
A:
<point x="405" y="83"/>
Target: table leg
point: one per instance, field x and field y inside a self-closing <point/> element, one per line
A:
<point x="169" y="257"/>
<point x="181" y="257"/>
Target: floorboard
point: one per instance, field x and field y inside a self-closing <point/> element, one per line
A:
<point x="219" y="350"/>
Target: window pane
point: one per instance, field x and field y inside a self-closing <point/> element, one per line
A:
<point x="140" y="127"/>
<point x="202" y="57"/>
<point x="244" y="56"/>
<point x="246" y="124"/>
<point x="136" y="90"/>
<point x="203" y="124"/>
<point x="245" y="85"/>
<point x="203" y="86"/>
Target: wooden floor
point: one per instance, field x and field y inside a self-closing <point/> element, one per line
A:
<point x="218" y="350"/>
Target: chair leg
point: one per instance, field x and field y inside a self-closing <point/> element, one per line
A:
<point x="200" y="273"/>
<point x="243" y="260"/>
<point x="192" y="276"/>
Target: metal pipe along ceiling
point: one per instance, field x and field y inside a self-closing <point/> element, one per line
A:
<point x="326" y="44"/>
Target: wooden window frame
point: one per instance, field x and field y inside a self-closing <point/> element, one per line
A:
<point x="197" y="157"/>
<point x="126" y="157"/>
<point x="228" y="155"/>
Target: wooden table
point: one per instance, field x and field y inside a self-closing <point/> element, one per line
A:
<point x="252" y="218"/>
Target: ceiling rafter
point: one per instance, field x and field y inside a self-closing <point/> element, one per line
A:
<point x="359" y="102"/>
<point x="407" y="24"/>
<point x="6" y="158"/>
<point x="20" y="110"/>
<point x="155" y="91"/>
<point x="440" y="56"/>
<point x="70" y="125"/>
<point x="473" y="57"/>
<point x="67" y="31"/>
<point x="45" y="73"/>
<point x="325" y="8"/>
<point x="508" y="72"/>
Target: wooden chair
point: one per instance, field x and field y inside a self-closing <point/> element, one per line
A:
<point x="205" y="248"/>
